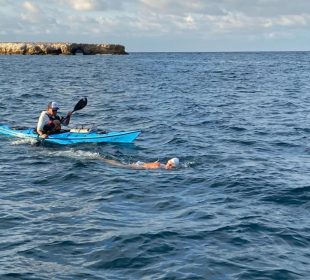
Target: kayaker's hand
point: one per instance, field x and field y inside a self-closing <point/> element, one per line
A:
<point x="69" y="114"/>
<point x="44" y="136"/>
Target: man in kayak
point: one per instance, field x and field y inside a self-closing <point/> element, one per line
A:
<point x="171" y="163"/>
<point x="49" y="122"/>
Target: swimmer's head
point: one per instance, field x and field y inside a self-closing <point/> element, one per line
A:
<point x="171" y="163"/>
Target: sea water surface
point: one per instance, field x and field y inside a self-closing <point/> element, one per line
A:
<point x="237" y="207"/>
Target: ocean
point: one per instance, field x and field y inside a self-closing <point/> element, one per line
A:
<point x="237" y="207"/>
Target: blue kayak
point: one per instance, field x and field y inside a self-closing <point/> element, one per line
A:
<point x="75" y="136"/>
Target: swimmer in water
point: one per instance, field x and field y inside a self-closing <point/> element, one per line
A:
<point x="171" y="163"/>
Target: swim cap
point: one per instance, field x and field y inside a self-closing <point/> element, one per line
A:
<point x="174" y="161"/>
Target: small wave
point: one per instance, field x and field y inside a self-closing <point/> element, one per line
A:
<point x="237" y="128"/>
<point x="75" y="154"/>
<point x="295" y="196"/>
<point x="187" y="164"/>
<point x="285" y="144"/>
<point x="24" y="141"/>
<point x="280" y="273"/>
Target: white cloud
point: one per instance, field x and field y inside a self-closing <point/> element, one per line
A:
<point x="278" y="35"/>
<point x="31" y="7"/>
<point x="231" y="21"/>
<point x="83" y="5"/>
<point x="253" y="8"/>
<point x="94" y="5"/>
<point x="198" y="20"/>
<point x="175" y="7"/>
<point x="289" y="21"/>
<point x="190" y="21"/>
<point x="31" y="13"/>
<point x="293" y="20"/>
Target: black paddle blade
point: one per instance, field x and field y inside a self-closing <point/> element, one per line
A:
<point x="81" y="104"/>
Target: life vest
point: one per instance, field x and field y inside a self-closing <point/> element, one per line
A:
<point x="50" y="125"/>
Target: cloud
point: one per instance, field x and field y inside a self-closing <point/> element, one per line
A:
<point x="33" y="15"/>
<point x="84" y="5"/>
<point x="94" y="5"/>
<point x="31" y="12"/>
<point x="175" y="7"/>
<point x="293" y="20"/>
<point x="194" y="21"/>
<point x="253" y="8"/>
<point x="31" y="7"/>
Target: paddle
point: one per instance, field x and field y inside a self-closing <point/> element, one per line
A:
<point x="80" y="105"/>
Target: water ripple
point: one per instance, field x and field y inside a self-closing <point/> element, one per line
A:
<point x="236" y="208"/>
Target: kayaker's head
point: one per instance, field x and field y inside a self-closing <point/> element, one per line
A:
<point x="52" y="108"/>
<point x="172" y="163"/>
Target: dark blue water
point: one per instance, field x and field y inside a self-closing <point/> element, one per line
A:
<point x="237" y="208"/>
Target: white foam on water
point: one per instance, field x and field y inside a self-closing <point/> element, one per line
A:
<point x="24" y="141"/>
<point x="187" y="164"/>
<point x="75" y="154"/>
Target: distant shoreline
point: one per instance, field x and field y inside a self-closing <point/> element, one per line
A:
<point x="38" y="48"/>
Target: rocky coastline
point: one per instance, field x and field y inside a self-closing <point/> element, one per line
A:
<point x="33" y="48"/>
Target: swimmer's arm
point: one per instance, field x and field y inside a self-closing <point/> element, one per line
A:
<point x="117" y="163"/>
<point x="114" y="162"/>
<point x="136" y="165"/>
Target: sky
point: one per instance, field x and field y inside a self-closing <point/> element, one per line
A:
<point x="162" y="25"/>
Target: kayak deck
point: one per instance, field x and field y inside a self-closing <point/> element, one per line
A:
<point x="69" y="138"/>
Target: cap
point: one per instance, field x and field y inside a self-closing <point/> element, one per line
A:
<point x="174" y="161"/>
<point x="53" y="105"/>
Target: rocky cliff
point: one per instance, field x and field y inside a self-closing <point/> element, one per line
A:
<point x="60" y="48"/>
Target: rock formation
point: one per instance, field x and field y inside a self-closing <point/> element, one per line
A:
<point x="60" y="48"/>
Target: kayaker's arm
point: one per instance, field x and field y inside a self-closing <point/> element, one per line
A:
<point x="40" y="126"/>
<point x="42" y="134"/>
<point x="66" y="120"/>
